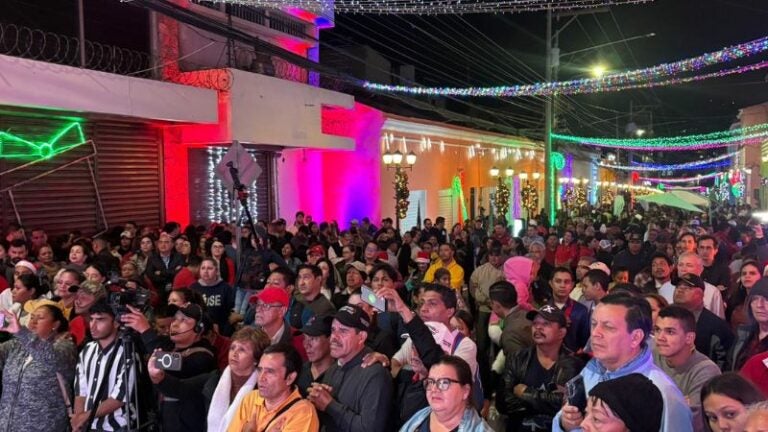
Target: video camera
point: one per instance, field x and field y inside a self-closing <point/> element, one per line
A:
<point x="121" y="295"/>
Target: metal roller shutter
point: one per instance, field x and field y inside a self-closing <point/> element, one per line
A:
<point x="61" y="201"/>
<point x="129" y="170"/>
<point x="208" y="199"/>
<point x="126" y="165"/>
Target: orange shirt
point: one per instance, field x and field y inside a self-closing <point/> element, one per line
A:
<point x="300" y="417"/>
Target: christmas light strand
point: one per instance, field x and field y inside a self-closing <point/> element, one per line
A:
<point x="672" y="167"/>
<point x="740" y="136"/>
<point x="432" y="7"/>
<point x="715" y="162"/>
<point x="648" y="77"/>
<point x="681" y="179"/>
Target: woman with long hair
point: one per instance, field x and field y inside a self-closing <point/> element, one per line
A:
<point x="749" y="273"/>
<point x="752" y="338"/>
<point x="34" y="363"/>
<point x="214" y="248"/>
<point x="146" y="247"/>
<point x="724" y="401"/>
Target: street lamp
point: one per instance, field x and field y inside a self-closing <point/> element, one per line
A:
<point x="394" y="161"/>
<point x="598" y="71"/>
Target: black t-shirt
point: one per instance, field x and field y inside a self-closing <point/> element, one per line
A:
<point x="537" y="377"/>
<point x="717" y="274"/>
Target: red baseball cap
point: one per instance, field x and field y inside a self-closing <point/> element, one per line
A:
<point x="271" y="295"/>
<point x="316" y="250"/>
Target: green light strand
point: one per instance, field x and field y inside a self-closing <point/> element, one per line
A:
<point x="15" y="147"/>
<point x="685" y="141"/>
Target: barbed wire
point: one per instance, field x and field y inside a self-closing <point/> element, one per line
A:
<point x="36" y="44"/>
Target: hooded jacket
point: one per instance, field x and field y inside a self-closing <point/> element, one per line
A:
<point x="517" y="271"/>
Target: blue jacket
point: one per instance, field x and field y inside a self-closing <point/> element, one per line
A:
<point x="677" y="415"/>
<point x="470" y="422"/>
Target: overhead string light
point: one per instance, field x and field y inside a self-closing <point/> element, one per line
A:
<point x="734" y="137"/>
<point x="434" y="7"/>
<point x="681" y="179"/>
<point x="715" y="162"/>
<point x="654" y="76"/>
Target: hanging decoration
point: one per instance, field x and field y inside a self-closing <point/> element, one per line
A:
<point x="433" y="7"/>
<point x="502" y="196"/>
<point x="738" y="136"/>
<point x="558" y="161"/>
<point x="715" y="162"/>
<point x="530" y="198"/>
<point x="607" y="196"/>
<point x="15" y="147"/>
<point x="648" y="77"/>
<point x="680" y="179"/>
<point x="401" y="194"/>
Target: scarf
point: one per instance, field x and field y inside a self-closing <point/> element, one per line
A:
<point x="221" y="411"/>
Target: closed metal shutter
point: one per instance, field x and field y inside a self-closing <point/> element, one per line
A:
<point x="209" y="201"/>
<point x="59" y="202"/>
<point x="126" y="166"/>
<point x="129" y="170"/>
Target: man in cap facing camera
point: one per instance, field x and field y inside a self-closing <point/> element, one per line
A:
<point x="317" y="344"/>
<point x="547" y="365"/>
<point x="350" y="397"/>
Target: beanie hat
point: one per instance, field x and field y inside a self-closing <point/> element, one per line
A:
<point x="640" y="409"/>
<point x="759" y="289"/>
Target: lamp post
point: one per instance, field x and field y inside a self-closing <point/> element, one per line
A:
<point x="394" y="161"/>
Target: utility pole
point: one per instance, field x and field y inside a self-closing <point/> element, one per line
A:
<point x="549" y="172"/>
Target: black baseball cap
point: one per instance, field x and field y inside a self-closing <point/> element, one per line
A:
<point x="353" y="316"/>
<point x="318" y="326"/>
<point x="549" y="313"/>
<point x="691" y="280"/>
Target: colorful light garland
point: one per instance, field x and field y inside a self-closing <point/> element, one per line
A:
<point x="647" y="77"/>
<point x="681" y="179"/>
<point x="740" y="136"/>
<point x="433" y="7"/>
<point x="715" y="162"/>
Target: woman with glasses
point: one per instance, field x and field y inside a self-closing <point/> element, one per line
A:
<point x="449" y="393"/>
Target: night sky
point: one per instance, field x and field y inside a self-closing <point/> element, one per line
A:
<point x="509" y="49"/>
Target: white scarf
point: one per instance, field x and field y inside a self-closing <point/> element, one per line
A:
<point x="221" y="411"/>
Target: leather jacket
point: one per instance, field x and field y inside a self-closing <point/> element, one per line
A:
<point x="537" y="401"/>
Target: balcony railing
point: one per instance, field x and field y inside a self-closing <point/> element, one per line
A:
<point x="35" y="44"/>
<point x="247" y="13"/>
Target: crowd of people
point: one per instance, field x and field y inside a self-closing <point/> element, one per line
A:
<point x="653" y="321"/>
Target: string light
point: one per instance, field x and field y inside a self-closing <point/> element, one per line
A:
<point x="739" y="136"/>
<point x="218" y="197"/>
<point x="681" y="179"/>
<point x="717" y="162"/>
<point x="433" y="7"/>
<point x="654" y="76"/>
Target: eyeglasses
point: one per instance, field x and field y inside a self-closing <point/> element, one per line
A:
<point x="441" y="384"/>
<point x="265" y="306"/>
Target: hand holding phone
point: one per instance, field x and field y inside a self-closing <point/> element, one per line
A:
<point x="368" y="296"/>
<point x="575" y="394"/>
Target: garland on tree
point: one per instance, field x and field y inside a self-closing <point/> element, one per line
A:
<point x="530" y="198"/>
<point x="502" y="197"/>
<point x="401" y="194"/>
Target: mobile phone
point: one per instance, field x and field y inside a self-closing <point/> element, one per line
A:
<point x="575" y="393"/>
<point x="368" y="296"/>
<point x="168" y="361"/>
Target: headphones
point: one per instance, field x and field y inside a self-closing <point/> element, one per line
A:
<point x="199" y="325"/>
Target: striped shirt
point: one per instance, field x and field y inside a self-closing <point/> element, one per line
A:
<point x="92" y="371"/>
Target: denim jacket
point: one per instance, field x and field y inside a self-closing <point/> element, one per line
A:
<point x="470" y="421"/>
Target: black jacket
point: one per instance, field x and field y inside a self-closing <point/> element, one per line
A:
<point x="162" y="275"/>
<point x="362" y="397"/>
<point x="713" y="337"/>
<point x="535" y="401"/>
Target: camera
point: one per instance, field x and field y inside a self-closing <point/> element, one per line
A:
<point x="168" y="361"/>
<point x="121" y="296"/>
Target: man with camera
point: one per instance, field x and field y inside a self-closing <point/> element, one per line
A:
<point x="103" y="381"/>
<point x="183" y="355"/>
